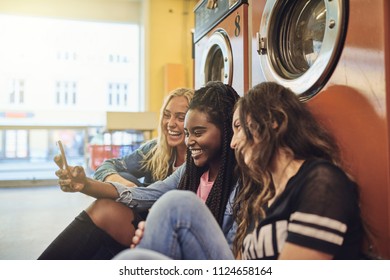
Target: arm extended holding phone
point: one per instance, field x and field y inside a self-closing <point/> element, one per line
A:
<point x="74" y="179"/>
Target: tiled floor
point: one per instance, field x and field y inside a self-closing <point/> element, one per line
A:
<point x="30" y="218"/>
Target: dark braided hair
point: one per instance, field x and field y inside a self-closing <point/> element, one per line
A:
<point x="217" y="100"/>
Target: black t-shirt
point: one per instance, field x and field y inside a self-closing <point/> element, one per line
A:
<point x="318" y="209"/>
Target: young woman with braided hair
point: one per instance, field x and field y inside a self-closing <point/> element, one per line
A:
<point x="209" y="167"/>
<point x="294" y="199"/>
<point x="213" y="105"/>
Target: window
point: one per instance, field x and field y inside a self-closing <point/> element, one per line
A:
<point x="63" y="75"/>
<point x="69" y="63"/>
<point x="16" y="144"/>
<point x="66" y="93"/>
<point x="16" y="91"/>
<point x="117" y="95"/>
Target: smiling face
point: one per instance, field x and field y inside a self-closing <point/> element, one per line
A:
<point x="173" y="120"/>
<point x="203" y="139"/>
<point x="237" y="133"/>
<point x="239" y="140"/>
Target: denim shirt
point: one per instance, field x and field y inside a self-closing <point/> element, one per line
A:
<point x="129" y="167"/>
<point x="142" y="199"/>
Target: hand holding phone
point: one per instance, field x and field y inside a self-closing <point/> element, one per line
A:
<point x="74" y="179"/>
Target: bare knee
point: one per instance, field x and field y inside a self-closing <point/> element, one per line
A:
<point x="99" y="210"/>
<point x="114" y="218"/>
<point x="102" y="211"/>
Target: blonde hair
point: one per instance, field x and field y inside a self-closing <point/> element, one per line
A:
<point x="158" y="159"/>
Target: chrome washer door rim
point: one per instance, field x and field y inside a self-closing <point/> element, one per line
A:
<point x="218" y="41"/>
<point x="311" y="81"/>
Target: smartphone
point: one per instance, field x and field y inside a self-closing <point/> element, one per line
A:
<point x="62" y="150"/>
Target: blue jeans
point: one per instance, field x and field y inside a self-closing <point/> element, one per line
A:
<point x="180" y="226"/>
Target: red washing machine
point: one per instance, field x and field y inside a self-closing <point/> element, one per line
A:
<point x="335" y="55"/>
<point x="221" y="43"/>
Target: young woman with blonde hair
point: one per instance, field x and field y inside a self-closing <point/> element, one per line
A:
<point x="106" y="226"/>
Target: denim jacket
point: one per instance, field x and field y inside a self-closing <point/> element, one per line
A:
<point x="129" y="166"/>
<point x="142" y="199"/>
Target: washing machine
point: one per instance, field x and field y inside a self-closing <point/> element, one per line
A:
<point x="335" y="55"/>
<point x="221" y="43"/>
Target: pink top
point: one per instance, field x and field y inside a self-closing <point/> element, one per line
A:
<point x="204" y="186"/>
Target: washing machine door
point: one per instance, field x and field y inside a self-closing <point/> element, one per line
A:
<point x="300" y="42"/>
<point x="216" y="63"/>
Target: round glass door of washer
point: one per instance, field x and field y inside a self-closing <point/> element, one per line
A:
<point x="216" y="63"/>
<point x="300" y="42"/>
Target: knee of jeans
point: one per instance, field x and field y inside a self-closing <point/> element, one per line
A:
<point x="139" y="254"/>
<point x="180" y="197"/>
<point x="128" y="254"/>
<point x="176" y="199"/>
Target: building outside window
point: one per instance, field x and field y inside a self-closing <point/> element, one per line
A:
<point x="58" y="78"/>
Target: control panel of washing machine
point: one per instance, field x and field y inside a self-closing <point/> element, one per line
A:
<point x="208" y="13"/>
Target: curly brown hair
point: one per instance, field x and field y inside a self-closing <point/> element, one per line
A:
<point x="297" y="131"/>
